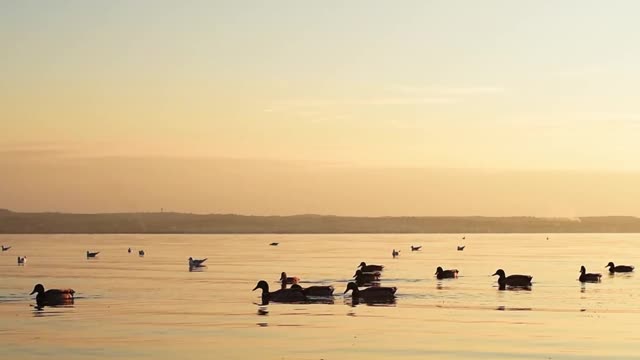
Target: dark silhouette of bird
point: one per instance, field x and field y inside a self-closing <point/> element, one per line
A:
<point x="52" y="297"/>
<point x="446" y="274"/>
<point x="281" y="295"/>
<point x="512" y="280"/>
<point x="372" y="293"/>
<point x="92" y="254"/>
<point x="416" y="248"/>
<point x="370" y="268"/>
<point x="620" y="268"/>
<point x="588" y="277"/>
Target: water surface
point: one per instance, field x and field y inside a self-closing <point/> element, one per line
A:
<point x="128" y="307"/>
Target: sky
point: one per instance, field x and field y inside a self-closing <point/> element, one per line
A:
<point x="321" y="107"/>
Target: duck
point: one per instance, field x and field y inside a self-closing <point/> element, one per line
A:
<point x="588" y="277"/>
<point x="141" y="253"/>
<point x="370" y="268"/>
<point x="52" y="297"/>
<point x="395" y="253"/>
<point x="619" y="268"/>
<point x="129" y="250"/>
<point x="315" y="291"/>
<point x="362" y="279"/>
<point x="288" y="280"/>
<point x="22" y="260"/>
<point x="92" y="254"/>
<point x="5" y="248"/>
<point x="460" y="248"/>
<point x="512" y="280"/>
<point x="416" y="248"/>
<point x="281" y="295"/>
<point x="446" y="274"/>
<point x="372" y="293"/>
<point x="274" y="244"/>
<point x="195" y="263"/>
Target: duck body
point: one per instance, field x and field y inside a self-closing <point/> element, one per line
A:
<point x="315" y="291"/>
<point x="446" y="274"/>
<point x="365" y="279"/>
<point x="588" y="277"/>
<point x="370" y="268"/>
<point x="512" y="280"/>
<point x="52" y="297"/>
<point x="282" y="295"/>
<point x="620" y="268"/>
<point x="372" y="293"/>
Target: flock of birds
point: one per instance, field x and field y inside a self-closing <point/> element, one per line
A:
<point x="57" y="297"/>
<point x="366" y="283"/>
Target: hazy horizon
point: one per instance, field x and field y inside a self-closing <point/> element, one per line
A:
<point x="369" y="108"/>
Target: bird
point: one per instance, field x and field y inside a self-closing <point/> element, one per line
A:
<point x="52" y="297"/>
<point x="460" y="248"/>
<point x="370" y="268"/>
<point x="315" y="291"/>
<point x="141" y="253"/>
<point x="288" y="280"/>
<point x="588" y="277"/>
<point x="395" y="253"/>
<point x="416" y="248"/>
<point x="512" y="280"/>
<point x="92" y="254"/>
<point x="373" y="293"/>
<point x="129" y="250"/>
<point x="281" y="295"/>
<point x="274" y="244"/>
<point x="446" y="274"/>
<point x="195" y="263"/>
<point x="619" y="268"/>
<point x="365" y="279"/>
<point x="22" y="260"/>
<point x="5" y="248"/>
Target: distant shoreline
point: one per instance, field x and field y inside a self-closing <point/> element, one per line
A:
<point x="183" y="223"/>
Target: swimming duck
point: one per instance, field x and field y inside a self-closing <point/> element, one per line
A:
<point x="52" y="297"/>
<point x="141" y="253"/>
<point x="460" y="248"/>
<point x="416" y="248"/>
<point x="446" y="274"/>
<point x="372" y="293"/>
<point x="588" y="277"/>
<point x="619" y="268"/>
<point x="22" y="260"/>
<point x="314" y="291"/>
<point x="370" y="268"/>
<point x="129" y="250"/>
<point x="288" y="280"/>
<point x="282" y="295"/>
<point x="512" y="280"/>
<point x="367" y="279"/>
<point x="5" y="248"/>
<point x="92" y="254"/>
<point x="195" y="263"/>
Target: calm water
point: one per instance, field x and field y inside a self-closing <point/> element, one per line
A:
<point x="129" y="307"/>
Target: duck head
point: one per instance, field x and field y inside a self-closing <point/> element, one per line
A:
<point x="439" y="270"/>
<point x="262" y="285"/>
<point x="283" y="275"/>
<point x="351" y="286"/>
<point x="39" y="289"/>
<point x="362" y="264"/>
<point x="500" y="273"/>
<point x="358" y="273"/>
<point x="610" y="265"/>
<point x="583" y="270"/>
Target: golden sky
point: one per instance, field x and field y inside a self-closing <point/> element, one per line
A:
<point x="360" y="107"/>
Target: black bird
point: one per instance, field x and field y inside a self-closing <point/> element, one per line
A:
<point x="5" y="248"/>
<point x="446" y="274"/>
<point x="195" y="263"/>
<point x="129" y="250"/>
<point x="416" y="248"/>
<point x="373" y="293"/>
<point x="52" y="297"/>
<point x="588" y="277"/>
<point x="282" y="295"/>
<point x="315" y="291"/>
<point x="619" y="268"/>
<point x="141" y="253"/>
<point x="92" y="254"/>
<point x="274" y="244"/>
<point x="370" y="268"/>
<point x="512" y="280"/>
<point x="460" y="248"/>
<point x="367" y="279"/>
